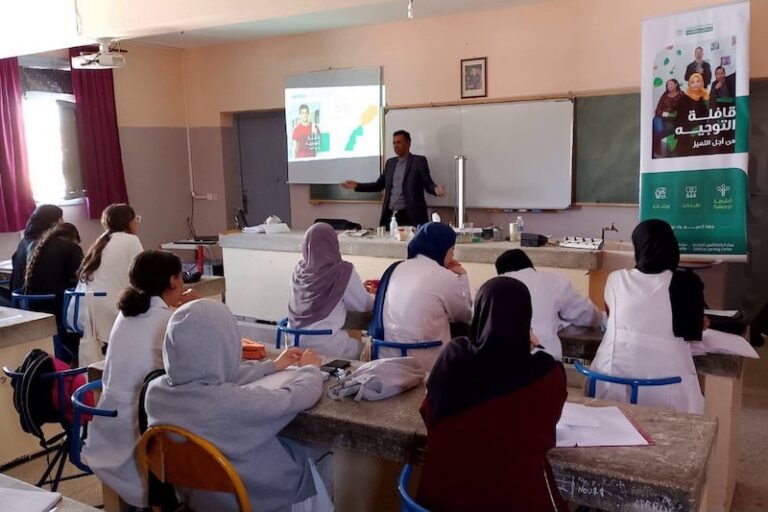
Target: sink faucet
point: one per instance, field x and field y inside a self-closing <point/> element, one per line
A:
<point x="612" y="228"/>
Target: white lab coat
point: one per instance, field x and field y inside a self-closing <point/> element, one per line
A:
<point x="110" y="277"/>
<point x="422" y="300"/>
<point x="639" y="342"/>
<point x="340" y="343"/>
<point x="554" y="299"/>
<point x="135" y="349"/>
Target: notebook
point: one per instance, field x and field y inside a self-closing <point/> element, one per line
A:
<point x="17" y="500"/>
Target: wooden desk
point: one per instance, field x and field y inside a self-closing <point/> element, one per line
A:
<point x="671" y="474"/>
<point x="65" y="505"/>
<point x="212" y="287"/>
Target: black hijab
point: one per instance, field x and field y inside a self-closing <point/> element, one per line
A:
<point x="42" y="219"/>
<point x="512" y="261"/>
<point x="496" y="360"/>
<point x="657" y="250"/>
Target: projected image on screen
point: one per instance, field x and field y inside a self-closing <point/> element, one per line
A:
<point x="332" y="122"/>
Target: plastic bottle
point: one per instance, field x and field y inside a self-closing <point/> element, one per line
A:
<point x="520" y="224"/>
<point x="393" y="229"/>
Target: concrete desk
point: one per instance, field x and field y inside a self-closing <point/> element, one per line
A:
<point x="6" y="269"/>
<point x="19" y="326"/>
<point x="65" y="505"/>
<point x="720" y="377"/>
<point x="668" y="476"/>
<point x="20" y="332"/>
<point x="258" y="267"/>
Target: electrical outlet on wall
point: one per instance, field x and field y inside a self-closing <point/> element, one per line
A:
<point x="211" y="196"/>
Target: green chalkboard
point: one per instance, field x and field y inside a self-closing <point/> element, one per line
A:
<point x="336" y="193"/>
<point x="607" y="149"/>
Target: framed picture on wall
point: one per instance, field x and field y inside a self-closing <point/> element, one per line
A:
<point x="474" y="78"/>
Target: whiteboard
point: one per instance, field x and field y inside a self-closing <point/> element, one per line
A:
<point x="519" y="155"/>
<point x="436" y="134"/>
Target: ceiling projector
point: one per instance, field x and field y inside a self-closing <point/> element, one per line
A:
<point x="109" y="56"/>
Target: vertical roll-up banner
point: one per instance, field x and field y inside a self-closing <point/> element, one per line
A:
<point x="695" y="128"/>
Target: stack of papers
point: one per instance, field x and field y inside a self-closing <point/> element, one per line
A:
<point x="17" y="500"/>
<point x="596" y="426"/>
<point x="718" y="342"/>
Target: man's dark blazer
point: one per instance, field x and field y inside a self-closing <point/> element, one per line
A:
<point x="416" y="180"/>
<point x="707" y="75"/>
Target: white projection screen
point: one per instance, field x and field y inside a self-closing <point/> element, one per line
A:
<point x="333" y="125"/>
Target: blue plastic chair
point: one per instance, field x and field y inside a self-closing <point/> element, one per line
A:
<point x="68" y="296"/>
<point x="407" y="503"/>
<point x="62" y="449"/>
<point x="634" y="384"/>
<point x="376" y="344"/>
<point x="79" y="408"/>
<point x="24" y="301"/>
<point x="282" y="329"/>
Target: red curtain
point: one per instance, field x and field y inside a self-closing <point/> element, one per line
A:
<point x="99" y="138"/>
<point x="16" y="201"/>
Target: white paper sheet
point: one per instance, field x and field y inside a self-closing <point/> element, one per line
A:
<point x="729" y="313"/>
<point x="17" y="500"/>
<point x="596" y="426"/>
<point x="718" y="342"/>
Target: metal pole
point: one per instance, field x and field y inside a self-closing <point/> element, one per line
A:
<point x="461" y="188"/>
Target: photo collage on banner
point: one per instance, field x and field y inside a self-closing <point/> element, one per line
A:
<point x="695" y="127"/>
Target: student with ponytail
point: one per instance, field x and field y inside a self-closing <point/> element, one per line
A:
<point x="134" y="350"/>
<point x="105" y="266"/>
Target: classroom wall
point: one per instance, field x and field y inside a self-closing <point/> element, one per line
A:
<point x="554" y="47"/>
<point x="151" y="122"/>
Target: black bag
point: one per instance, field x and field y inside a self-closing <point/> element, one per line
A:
<point x="32" y="396"/>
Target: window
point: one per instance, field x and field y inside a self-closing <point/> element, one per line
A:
<point x="50" y="127"/>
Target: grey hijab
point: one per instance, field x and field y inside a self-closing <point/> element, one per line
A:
<point x="202" y="345"/>
<point x="320" y="278"/>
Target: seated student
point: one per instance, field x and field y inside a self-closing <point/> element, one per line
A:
<point x="134" y="350"/>
<point x="425" y="293"/>
<point x="52" y="268"/>
<point x="491" y="410"/>
<point x="206" y="390"/>
<point x="653" y="310"/>
<point x="323" y="288"/>
<point x="106" y="264"/>
<point x="554" y="299"/>
<point x="42" y="219"/>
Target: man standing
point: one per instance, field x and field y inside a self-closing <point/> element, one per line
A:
<point x="699" y="66"/>
<point x="305" y="135"/>
<point x="404" y="180"/>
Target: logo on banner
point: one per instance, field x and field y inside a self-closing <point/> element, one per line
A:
<point x="691" y="192"/>
<point x="661" y="193"/>
<point x="723" y="189"/>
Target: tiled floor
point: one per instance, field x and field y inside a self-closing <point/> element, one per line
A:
<point x="751" y="487"/>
